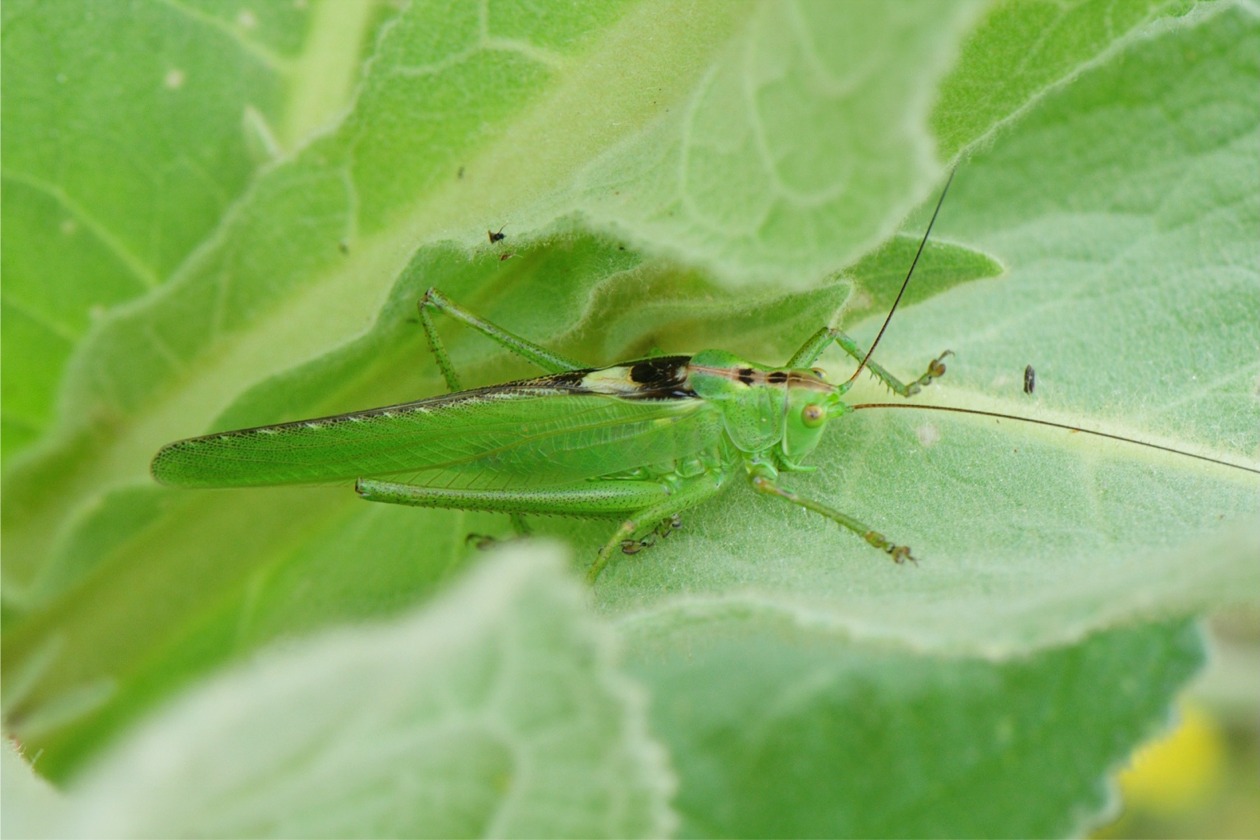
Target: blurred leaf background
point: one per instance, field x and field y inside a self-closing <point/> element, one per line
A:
<point x="219" y="216"/>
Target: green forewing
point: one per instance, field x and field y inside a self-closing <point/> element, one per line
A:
<point x="540" y="431"/>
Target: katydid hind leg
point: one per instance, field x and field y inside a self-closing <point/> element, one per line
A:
<point x="520" y="525"/>
<point x="435" y="301"/>
<point x="436" y="347"/>
<point x="766" y="485"/>
<point x="610" y="497"/>
<point x="593" y="499"/>
<point x="485" y="542"/>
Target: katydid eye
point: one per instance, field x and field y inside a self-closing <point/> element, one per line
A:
<point x="813" y="415"/>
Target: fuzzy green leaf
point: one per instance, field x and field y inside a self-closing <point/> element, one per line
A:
<point x="493" y="712"/>
<point x="671" y="176"/>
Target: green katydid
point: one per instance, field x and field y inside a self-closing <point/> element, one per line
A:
<point x="641" y="441"/>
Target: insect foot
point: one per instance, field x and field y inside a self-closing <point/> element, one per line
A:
<point x="935" y="371"/>
<point x="635" y="546"/>
<point x="898" y="553"/>
<point x="483" y="542"/>
<point x="668" y="526"/>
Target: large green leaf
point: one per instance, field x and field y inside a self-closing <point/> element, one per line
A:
<point x="780" y="729"/>
<point x="671" y="176"/>
<point x="129" y="133"/>
<point x="495" y="711"/>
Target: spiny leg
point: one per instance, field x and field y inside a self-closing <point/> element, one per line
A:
<point x="611" y="497"/>
<point x="763" y="483"/>
<point x="818" y="342"/>
<point x="434" y="300"/>
<point x="686" y="494"/>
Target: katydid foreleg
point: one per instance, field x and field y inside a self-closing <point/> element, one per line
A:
<point x="819" y="341"/>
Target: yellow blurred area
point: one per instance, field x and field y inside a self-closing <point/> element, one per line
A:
<point x="1178" y="772"/>
<point x="1201" y="778"/>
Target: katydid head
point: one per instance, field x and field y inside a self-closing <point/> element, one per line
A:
<point x="811" y="403"/>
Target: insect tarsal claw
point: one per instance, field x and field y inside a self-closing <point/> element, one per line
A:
<point x="668" y="526"/>
<point x="480" y="541"/>
<point x="937" y="368"/>
<point x="900" y="554"/>
<point x="635" y="546"/>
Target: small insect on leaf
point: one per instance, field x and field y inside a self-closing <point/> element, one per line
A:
<point x="496" y="236"/>
<point x="1030" y="379"/>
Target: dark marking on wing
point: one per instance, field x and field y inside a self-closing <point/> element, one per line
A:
<point x="659" y="372"/>
<point x="658" y="378"/>
<point x="569" y="380"/>
<point x="746" y="375"/>
<point x="662" y="377"/>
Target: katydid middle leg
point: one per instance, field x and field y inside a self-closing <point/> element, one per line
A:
<point x="685" y="494"/>
<point x="764" y="481"/>
<point x="662" y="530"/>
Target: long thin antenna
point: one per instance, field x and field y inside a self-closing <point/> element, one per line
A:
<point x="1053" y="425"/>
<point x="909" y="274"/>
